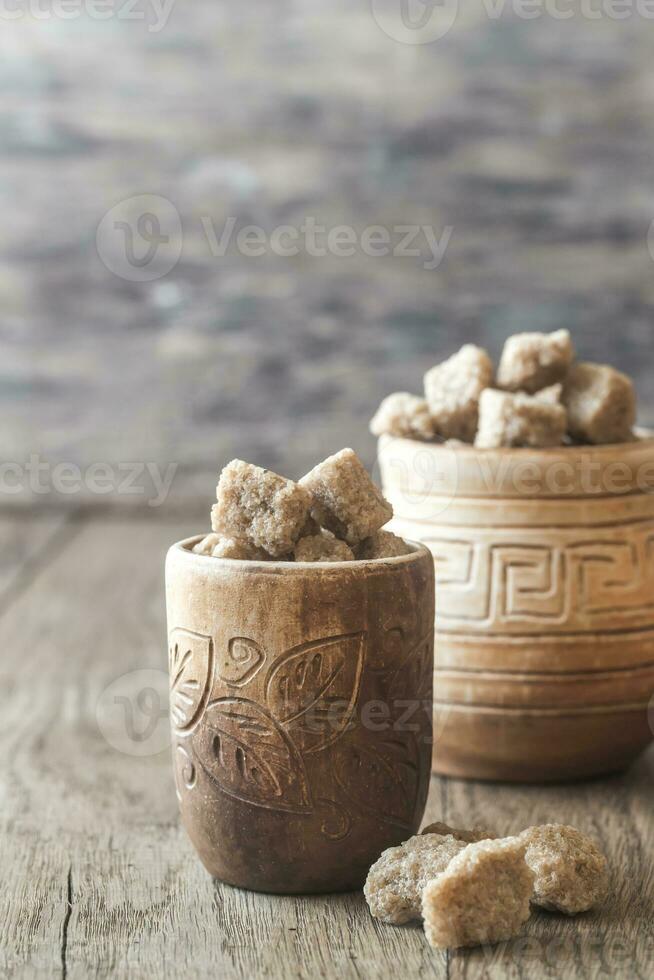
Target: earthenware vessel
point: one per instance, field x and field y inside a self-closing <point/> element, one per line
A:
<point x="301" y="713"/>
<point x="544" y="664"/>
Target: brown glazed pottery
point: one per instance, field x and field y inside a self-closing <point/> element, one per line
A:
<point x="545" y="602"/>
<point x="301" y="713"/>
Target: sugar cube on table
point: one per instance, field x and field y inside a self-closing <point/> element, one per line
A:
<point x="570" y="870"/>
<point x="483" y="896"/>
<point x="394" y="885"/>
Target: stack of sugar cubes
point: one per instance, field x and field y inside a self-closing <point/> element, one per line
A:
<point x="539" y="397"/>
<point x="334" y="513"/>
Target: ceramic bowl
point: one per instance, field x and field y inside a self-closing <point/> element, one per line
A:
<point x="544" y="664"/>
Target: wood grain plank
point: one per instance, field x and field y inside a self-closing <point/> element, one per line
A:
<point x="27" y="541"/>
<point x="107" y="819"/>
<point x="33" y="901"/>
<point x="60" y="771"/>
<point x="99" y="877"/>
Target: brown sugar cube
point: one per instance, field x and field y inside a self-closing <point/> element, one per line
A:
<point x="551" y="395"/>
<point x="221" y="547"/>
<point x="531" y="361"/>
<point x="322" y="547"/>
<point x="232" y="548"/>
<point x="506" y="419"/>
<point x="345" y="500"/>
<point x="481" y="897"/>
<point x="452" y="390"/>
<point x="260" y="508"/>
<point x="469" y="836"/>
<point x="382" y="544"/>
<point x="403" y="415"/>
<point x="311" y="527"/>
<point x="570" y="870"/>
<point x="601" y="404"/>
<point x="206" y="546"/>
<point x="395" y="882"/>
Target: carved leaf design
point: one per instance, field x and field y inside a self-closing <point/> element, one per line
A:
<point x="313" y="689"/>
<point x="242" y="661"/>
<point x="191" y="669"/>
<point x="250" y="757"/>
<point x="376" y="784"/>
<point x="414" y="677"/>
<point x="336" y="821"/>
<point x="403" y="753"/>
<point x="185" y="774"/>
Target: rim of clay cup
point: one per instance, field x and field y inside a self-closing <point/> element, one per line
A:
<point x="417" y="551"/>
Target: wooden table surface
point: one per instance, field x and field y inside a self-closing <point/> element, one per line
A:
<point x="98" y="878"/>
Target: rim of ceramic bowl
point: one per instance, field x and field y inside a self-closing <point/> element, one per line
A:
<point x="644" y="440"/>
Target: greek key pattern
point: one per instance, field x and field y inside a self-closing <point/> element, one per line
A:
<point x="544" y="579"/>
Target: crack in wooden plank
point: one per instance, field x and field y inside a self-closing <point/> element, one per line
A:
<point x="69" y="912"/>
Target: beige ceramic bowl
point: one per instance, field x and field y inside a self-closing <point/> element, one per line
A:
<point x="545" y="602"/>
<point x="297" y="756"/>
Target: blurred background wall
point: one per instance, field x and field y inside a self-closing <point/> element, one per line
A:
<point x="133" y="138"/>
